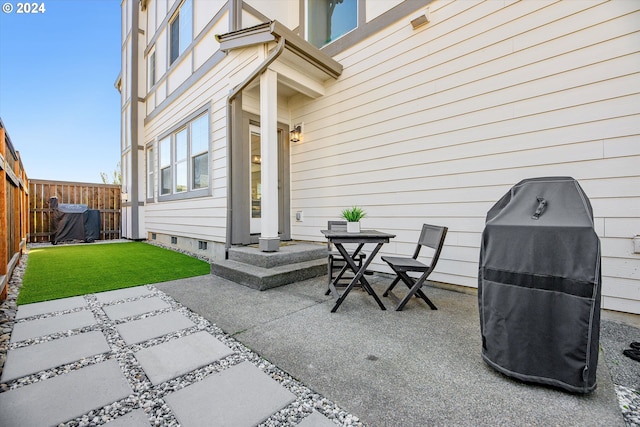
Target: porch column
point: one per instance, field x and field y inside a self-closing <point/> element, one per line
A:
<point x="269" y="240"/>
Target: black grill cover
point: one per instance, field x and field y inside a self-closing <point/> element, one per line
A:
<point x="74" y="222"/>
<point x="539" y="285"/>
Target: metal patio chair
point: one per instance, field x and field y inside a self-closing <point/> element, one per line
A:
<point x="431" y="236"/>
<point x="335" y="261"/>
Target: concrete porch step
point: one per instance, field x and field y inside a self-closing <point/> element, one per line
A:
<point x="265" y="278"/>
<point x="295" y="261"/>
<point x="289" y="253"/>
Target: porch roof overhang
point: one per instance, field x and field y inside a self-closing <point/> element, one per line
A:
<point x="301" y="66"/>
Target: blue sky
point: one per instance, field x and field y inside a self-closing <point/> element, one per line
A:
<point x="57" y="96"/>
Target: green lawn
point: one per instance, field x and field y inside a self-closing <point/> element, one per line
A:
<point x="65" y="271"/>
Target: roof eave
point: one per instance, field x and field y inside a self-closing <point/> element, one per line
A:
<point x="273" y="31"/>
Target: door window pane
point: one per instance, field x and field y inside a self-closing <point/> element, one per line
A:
<point x="256" y="176"/>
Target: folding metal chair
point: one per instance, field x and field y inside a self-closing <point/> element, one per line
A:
<point x="335" y="261"/>
<point x="431" y="236"/>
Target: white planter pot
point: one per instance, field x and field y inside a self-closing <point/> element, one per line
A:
<point x="353" y="227"/>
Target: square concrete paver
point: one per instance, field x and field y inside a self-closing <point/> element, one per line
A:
<point x="28" y="310"/>
<point x="240" y="396"/>
<point x="134" y="308"/>
<point x="49" y="325"/>
<point x="119" y="294"/>
<point x="64" y="397"/>
<point x="316" y="419"/>
<point x="137" y="418"/>
<point x="177" y="357"/>
<point x="35" y="358"/>
<point x="153" y="327"/>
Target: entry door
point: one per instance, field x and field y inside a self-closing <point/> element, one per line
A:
<point x="255" y="180"/>
<point x="246" y="197"/>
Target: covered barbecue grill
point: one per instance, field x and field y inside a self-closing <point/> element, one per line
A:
<point x="74" y="222"/>
<point x="539" y="285"/>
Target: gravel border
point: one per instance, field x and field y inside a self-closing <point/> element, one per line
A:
<point x="145" y="395"/>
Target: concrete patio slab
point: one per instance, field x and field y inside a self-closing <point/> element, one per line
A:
<point x="64" y="397"/>
<point x="134" y="308"/>
<point x="35" y="358"/>
<point x="239" y="396"/>
<point x="49" y="325"/>
<point x="316" y="419"/>
<point x="137" y="418"/>
<point x="35" y="309"/>
<point x="119" y="294"/>
<point x="414" y="367"/>
<point x="153" y="327"/>
<point x="177" y="357"/>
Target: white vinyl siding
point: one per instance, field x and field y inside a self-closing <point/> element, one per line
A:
<point x="434" y="125"/>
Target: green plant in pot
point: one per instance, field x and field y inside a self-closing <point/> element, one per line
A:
<point x="353" y="216"/>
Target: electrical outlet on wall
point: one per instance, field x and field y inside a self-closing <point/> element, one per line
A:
<point x="299" y="216"/>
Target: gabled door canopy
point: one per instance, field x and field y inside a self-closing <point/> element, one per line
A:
<point x="300" y="65"/>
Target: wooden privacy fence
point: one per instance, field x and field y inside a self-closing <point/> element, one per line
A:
<point x="13" y="209"/>
<point x="103" y="197"/>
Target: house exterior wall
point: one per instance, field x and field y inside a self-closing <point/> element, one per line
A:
<point x="172" y="99"/>
<point x="432" y="124"/>
<point x="436" y="124"/>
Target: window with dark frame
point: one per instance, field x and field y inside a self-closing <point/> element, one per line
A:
<point x="184" y="158"/>
<point x="328" y="20"/>
<point x="150" y="172"/>
<point x="152" y="69"/>
<point x="180" y="30"/>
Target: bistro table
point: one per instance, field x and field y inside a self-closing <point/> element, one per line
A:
<point x="339" y="238"/>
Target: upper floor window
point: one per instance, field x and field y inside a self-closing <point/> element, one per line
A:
<point x="152" y="69"/>
<point x="328" y="20"/>
<point x="180" y="30"/>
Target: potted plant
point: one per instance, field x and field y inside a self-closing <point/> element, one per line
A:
<point x="353" y="216"/>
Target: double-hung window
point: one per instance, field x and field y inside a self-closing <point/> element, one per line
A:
<point x="180" y="161"/>
<point x="328" y="20"/>
<point x="165" y="166"/>
<point x="184" y="160"/>
<point x="180" y="30"/>
<point x="150" y="172"/>
<point x="152" y="69"/>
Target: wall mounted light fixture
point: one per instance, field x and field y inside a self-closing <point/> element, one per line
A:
<point x="421" y="19"/>
<point x="296" y="133"/>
